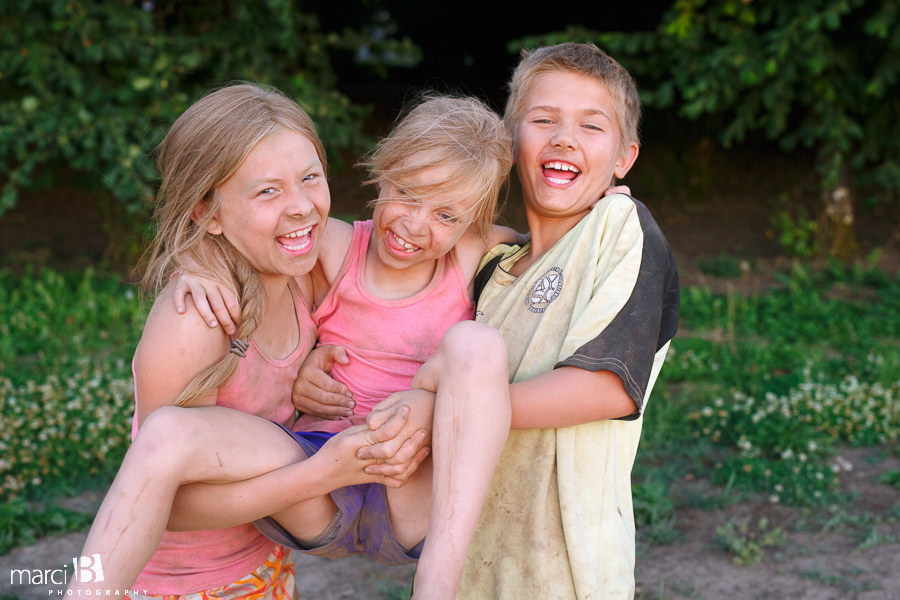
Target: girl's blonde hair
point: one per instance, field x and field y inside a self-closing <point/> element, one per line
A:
<point x="204" y="147"/>
<point x="444" y="131"/>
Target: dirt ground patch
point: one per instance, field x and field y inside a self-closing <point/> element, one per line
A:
<point x="846" y="552"/>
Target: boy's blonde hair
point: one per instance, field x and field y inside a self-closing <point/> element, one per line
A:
<point x="204" y="147"/>
<point x="441" y="131"/>
<point x="583" y="59"/>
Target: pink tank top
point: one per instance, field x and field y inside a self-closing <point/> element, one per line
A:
<point x="194" y="561"/>
<point x="386" y="340"/>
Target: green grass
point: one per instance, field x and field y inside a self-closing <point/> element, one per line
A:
<point x="763" y="388"/>
<point x="755" y="398"/>
<point x="66" y="396"/>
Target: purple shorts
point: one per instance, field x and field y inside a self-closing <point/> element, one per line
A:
<point x="365" y="521"/>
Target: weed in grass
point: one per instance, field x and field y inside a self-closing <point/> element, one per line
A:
<point x="876" y="538"/>
<point x="654" y="512"/>
<point x="394" y="590"/>
<point x="22" y="525"/>
<point x="687" y="590"/>
<point x="722" y="265"/>
<point x="748" y="544"/>
<point x="891" y="478"/>
<point x="842" y="582"/>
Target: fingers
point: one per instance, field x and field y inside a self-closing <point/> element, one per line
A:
<point x="323" y="381"/>
<point x="233" y="307"/>
<point x="381" y="413"/>
<point x="402" y="478"/>
<point x="219" y="306"/>
<point x="334" y="354"/>
<point x="180" y="293"/>
<point x="618" y="189"/>
<point x="395" y="451"/>
<point x="201" y="301"/>
<point x="390" y="428"/>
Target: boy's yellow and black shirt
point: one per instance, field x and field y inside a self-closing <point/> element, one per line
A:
<point x="558" y="520"/>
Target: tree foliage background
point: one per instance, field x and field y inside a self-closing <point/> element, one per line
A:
<point x="822" y="74"/>
<point x="93" y="85"/>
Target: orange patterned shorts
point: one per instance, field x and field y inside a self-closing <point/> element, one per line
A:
<point x="273" y="580"/>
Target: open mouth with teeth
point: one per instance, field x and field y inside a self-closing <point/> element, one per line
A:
<point x="560" y="173"/>
<point x="296" y="241"/>
<point x="399" y="245"/>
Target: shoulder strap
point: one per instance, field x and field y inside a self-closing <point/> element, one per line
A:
<point x="483" y="276"/>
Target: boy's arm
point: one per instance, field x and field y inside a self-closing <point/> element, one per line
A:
<point x="580" y="397"/>
<point x="615" y="344"/>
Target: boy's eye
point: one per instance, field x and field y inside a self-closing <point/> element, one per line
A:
<point x="267" y="191"/>
<point x="594" y="127"/>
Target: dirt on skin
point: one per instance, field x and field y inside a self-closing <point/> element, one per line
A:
<point x="846" y="552"/>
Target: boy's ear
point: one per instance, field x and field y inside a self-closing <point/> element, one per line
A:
<point x="626" y="160"/>
<point x="214" y="227"/>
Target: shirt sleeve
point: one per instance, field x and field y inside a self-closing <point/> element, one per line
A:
<point x="648" y="319"/>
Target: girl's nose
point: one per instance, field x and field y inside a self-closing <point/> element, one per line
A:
<point x="299" y="205"/>
<point x="416" y="219"/>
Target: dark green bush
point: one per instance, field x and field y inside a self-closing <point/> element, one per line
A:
<point x="94" y="84"/>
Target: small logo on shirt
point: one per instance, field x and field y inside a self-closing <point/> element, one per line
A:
<point x="545" y="290"/>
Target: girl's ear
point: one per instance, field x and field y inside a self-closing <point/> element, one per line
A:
<point x="213" y="227"/>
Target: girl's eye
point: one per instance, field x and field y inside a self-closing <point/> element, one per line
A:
<point x="448" y="218"/>
<point x="267" y="191"/>
<point x="594" y="127"/>
<point x="309" y="177"/>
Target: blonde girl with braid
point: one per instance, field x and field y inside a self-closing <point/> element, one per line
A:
<point x="245" y="199"/>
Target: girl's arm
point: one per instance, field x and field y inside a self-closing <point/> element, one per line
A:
<point x="172" y="351"/>
<point x="217" y="303"/>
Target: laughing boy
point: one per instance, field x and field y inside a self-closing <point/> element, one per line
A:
<point x="587" y="309"/>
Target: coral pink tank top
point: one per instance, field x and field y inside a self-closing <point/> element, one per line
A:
<point x="386" y="340"/>
<point x="194" y="561"/>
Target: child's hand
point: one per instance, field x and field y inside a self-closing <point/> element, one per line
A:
<point x="215" y="302"/>
<point x="342" y="454"/>
<point x="420" y="406"/>
<point x="315" y="392"/>
<point x="618" y="189"/>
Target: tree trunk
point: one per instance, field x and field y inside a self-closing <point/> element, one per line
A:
<point x="837" y="230"/>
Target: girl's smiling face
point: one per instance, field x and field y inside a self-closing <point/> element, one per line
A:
<point x="412" y="232"/>
<point x="275" y="205"/>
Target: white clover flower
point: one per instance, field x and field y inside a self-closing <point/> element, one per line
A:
<point x="802" y="457"/>
<point x="774" y="499"/>
<point x="787" y="454"/>
<point x="706" y="411"/>
<point x="779" y="488"/>
<point x="719" y="402"/>
<point x="812" y="446"/>
<point x="819" y="475"/>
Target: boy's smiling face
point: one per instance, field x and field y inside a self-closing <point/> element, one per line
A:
<point x="568" y="146"/>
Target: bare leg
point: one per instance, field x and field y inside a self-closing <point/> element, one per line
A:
<point x="177" y="446"/>
<point x="471" y="423"/>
